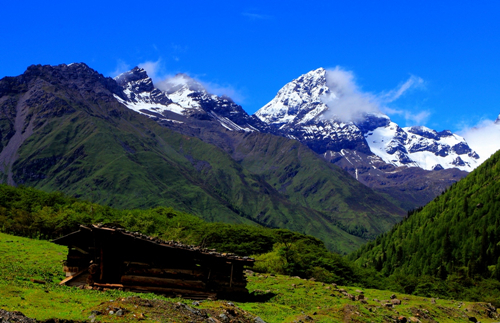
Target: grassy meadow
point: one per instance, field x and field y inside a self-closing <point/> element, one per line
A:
<point x="275" y="298"/>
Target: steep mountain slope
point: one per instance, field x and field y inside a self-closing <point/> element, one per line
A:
<point x="67" y="129"/>
<point x="373" y="149"/>
<point x="457" y="233"/>
<point x="297" y="113"/>
<point x="321" y="188"/>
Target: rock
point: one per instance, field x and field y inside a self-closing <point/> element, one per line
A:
<point x="360" y="297"/>
<point x="223" y="317"/>
<point x="396" y="301"/>
<point x="195" y="303"/>
<point x="376" y="300"/>
<point x="433" y="301"/>
<point x="472" y="319"/>
<point x="359" y="291"/>
<point x="351" y="297"/>
<point x="402" y="319"/>
<point x="259" y="320"/>
<point x="414" y="319"/>
<point x="119" y="312"/>
<point x="393" y="296"/>
<point x="388" y="304"/>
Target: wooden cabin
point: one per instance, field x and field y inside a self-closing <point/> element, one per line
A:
<point x="110" y="257"/>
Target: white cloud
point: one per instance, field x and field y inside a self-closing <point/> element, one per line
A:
<point x="484" y="138"/>
<point x="412" y="83"/>
<point x="256" y="16"/>
<point x="347" y="102"/>
<point x="121" y="67"/>
<point x="165" y="81"/>
<point x="227" y="90"/>
<point x="419" y="118"/>
<point x="152" y="68"/>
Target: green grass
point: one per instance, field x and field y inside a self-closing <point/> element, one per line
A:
<point x="275" y="298"/>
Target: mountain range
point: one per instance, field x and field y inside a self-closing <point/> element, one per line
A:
<point x="69" y="128"/>
<point x="409" y="165"/>
<point x="128" y="143"/>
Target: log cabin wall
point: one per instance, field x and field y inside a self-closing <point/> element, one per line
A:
<point x="115" y="258"/>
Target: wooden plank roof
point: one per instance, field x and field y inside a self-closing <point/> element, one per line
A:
<point x="85" y="233"/>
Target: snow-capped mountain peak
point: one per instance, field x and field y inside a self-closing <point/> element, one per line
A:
<point x="184" y="96"/>
<point x="298" y="101"/>
<point x="300" y="111"/>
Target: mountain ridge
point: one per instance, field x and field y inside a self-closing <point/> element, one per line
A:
<point x="344" y="144"/>
<point x="86" y="143"/>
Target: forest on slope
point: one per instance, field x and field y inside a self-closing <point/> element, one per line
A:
<point x="450" y="244"/>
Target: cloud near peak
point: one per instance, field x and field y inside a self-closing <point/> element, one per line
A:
<point x="348" y="103"/>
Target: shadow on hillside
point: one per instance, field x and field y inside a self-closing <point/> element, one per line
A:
<point x="256" y="297"/>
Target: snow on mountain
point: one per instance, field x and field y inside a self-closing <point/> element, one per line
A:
<point x="184" y="96"/>
<point x="298" y="101"/>
<point x="299" y="109"/>
<point x="142" y="96"/>
<point x="421" y="147"/>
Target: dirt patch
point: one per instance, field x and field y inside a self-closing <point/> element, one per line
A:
<point x="136" y="309"/>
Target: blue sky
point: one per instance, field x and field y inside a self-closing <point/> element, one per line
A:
<point x="250" y="49"/>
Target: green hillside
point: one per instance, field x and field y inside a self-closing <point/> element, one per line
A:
<point x="451" y="244"/>
<point x="303" y="177"/>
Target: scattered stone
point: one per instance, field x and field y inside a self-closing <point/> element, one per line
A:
<point x="414" y="319"/>
<point x="393" y="296"/>
<point x="396" y="301"/>
<point x="351" y="297"/>
<point x="223" y="317"/>
<point x="360" y="297"/>
<point x="195" y="303"/>
<point x="433" y="301"/>
<point x="119" y="312"/>
<point x="388" y="305"/>
<point x="376" y="300"/>
<point x="402" y="319"/>
<point x="359" y="291"/>
<point x="259" y="320"/>
<point x="472" y="319"/>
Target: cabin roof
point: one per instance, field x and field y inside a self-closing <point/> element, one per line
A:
<point x="86" y="233"/>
